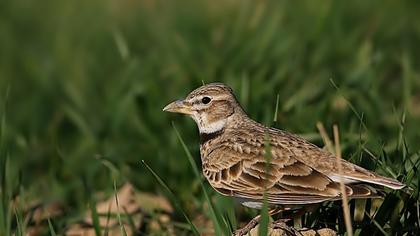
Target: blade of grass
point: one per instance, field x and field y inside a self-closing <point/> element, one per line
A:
<point x="380" y="227"/>
<point x="19" y="227"/>
<point x="277" y="108"/>
<point x="122" y="228"/>
<point x="418" y="212"/>
<point x="108" y="217"/>
<point x="6" y="198"/>
<point x="3" y="119"/>
<point x="325" y="138"/>
<point x="380" y="162"/>
<point x="218" y="223"/>
<point x="173" y="198"/>
<point x="50" y="226"/>
<point x="360" y="117"/>
<point x="401" y="131"/>
<point x="263" y="226"/>
<point x="95" y="217"/>
<point x="227" y="204"/>
<point x="381" y="216"/>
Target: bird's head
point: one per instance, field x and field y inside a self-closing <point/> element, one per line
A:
<point x="210" y="106"/>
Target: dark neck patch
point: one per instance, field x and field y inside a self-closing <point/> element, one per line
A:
<point x="205" y="137"/>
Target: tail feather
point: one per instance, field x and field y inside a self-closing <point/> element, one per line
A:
<point x="360" y="191"/>
<point x="380" y="180"/>
<point x="364" y="191"/>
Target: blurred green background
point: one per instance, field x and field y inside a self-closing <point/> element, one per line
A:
<point x="85" y="81"/>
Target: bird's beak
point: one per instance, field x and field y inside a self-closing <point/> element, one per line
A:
<point x="178" y="106"/>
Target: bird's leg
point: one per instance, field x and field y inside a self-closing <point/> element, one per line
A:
<point x="297" y="217"/>
<point x="251" y="224"/>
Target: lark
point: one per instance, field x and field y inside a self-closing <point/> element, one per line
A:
<point x="245" y="159"/>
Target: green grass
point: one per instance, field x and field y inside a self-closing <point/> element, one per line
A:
<point x="174" y="199"/>
<point x="83" y="83"/>
<point x="219" y="222"/>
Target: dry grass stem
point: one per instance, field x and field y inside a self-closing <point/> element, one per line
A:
<point x="342" y="186"/>
<point x="324" y="136"/>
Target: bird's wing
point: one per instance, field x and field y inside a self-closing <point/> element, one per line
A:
<point x="326" y="163"/>
<point x="245" y="168"/>
<point x="246" y="172"/>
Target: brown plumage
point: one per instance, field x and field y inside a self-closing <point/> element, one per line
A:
<point x="244" y="159"/>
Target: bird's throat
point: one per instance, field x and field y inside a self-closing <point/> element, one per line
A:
<point x="205" y="127"/>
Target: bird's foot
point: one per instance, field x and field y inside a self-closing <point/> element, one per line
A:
<point x="281" y="224"/>
<point x="245" y="230"/>
<point x="251" y="224"/>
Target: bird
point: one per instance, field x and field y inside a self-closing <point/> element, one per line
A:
<point x="251" y="162"/>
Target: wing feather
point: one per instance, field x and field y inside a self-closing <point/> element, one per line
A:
<point x="296" y="172"/>
<point x="285" y="179"/>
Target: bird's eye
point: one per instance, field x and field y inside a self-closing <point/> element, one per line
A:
<point x="205" y="100"/>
